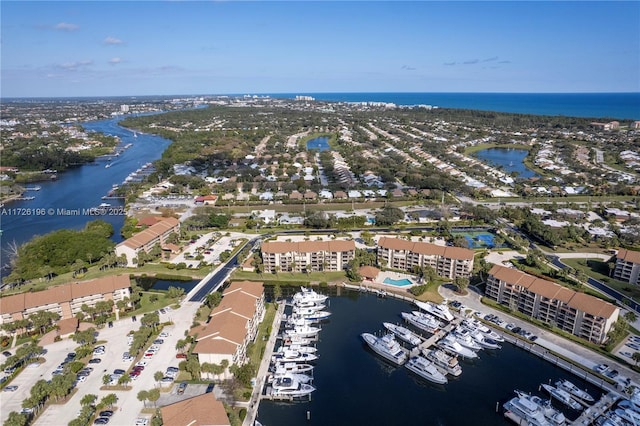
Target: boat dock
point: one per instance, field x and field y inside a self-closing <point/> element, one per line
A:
<point x="596" y="410"/>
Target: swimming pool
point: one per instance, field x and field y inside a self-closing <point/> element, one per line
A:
<point x="399" y="283"/>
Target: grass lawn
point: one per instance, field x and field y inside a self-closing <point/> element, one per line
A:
<point x="264" y="330"/>
<point x="431" y="295"/>
<point x="599" y="270"/>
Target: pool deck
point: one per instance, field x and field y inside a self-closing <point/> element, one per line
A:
<point x="395" y="276"/>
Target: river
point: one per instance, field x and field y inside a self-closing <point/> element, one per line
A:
<point x="356" y="387"/>
<point x="78" y="188"/>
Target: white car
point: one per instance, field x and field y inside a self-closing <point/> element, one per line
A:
<point x="142" y="421"/>
<point x="141" y="363"/>
<point x="164" y="334"/>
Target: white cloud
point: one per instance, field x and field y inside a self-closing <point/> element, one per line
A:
<point x="113" y="41"/>
<point x="115" y="61"/>
<point x="65" y="26"/>
<point x="74" y="66"/>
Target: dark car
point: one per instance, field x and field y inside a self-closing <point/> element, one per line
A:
<point x="106" y="413"/>
<point x="516" y="330"/>
<point x="101" y="421"/>
<point x="210" y="388"/>
<point x="95" y="361"/>
<point x="6" y="353"/>
<point x="182" y="387"/>
<point x="118" y="371"/>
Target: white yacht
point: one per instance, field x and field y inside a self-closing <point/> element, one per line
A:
<point x="308" y="305"/>
<point x="447" y="363"/>
<point x="424" y="321"/>
<point x="309" y="295"/>
<point x="555" y="417"/>
<point x="299" y="377"/>
<point x="311" y="314"/>
<point x="440" y="311"/>
<point x="293" y="356"/>
<point x="299" y="348"/>
<point x="403" y="333"/>
<point x="297" y="340"/>
<point x="629" y="415"/>
<point x="287" y="386"/>
<point x="425" y="369"/>
<point x="449" y="343"/>
<point x="474" y="324"/>
<point x="387" y="347"/>
<point x="526" y="410"/>
<point x="575" y="391"/>
<point x="562" y="396"/>
<point x="481" y="339"/>
<point x="303" y="331"/>
<point x="464" y="338"/>
<point x="291" y="367"/>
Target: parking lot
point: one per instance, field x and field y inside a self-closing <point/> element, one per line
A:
<point x="115" y="344"/>
<point x="209" y="246"/>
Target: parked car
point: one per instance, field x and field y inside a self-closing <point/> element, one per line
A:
<point x="141" y="363"/>
<point x="181" y="355"/>
<point x="158" y="342"/>
<point x="6" y="353"/>
<point x="11" y="388"/>
<point x="106" y="413"/>
<point x="101" y="421"/>
<point x="142" y="421"/>
<point x="210" y="387"/>
<point x="164" y="334"/>
<point x="166" y="379"/>
<point x="182" y="388"/>
<point x="95" y="361"/>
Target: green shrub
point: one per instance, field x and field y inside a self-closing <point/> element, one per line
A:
<point x="243" y="411"/>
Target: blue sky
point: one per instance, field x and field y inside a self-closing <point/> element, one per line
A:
<point x="106" y="48"/>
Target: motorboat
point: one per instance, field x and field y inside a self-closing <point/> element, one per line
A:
<point x="628" y="414"/>
<point x="288" y="386"/>
<point x="424" y="322"/>
<point x="311" y="314"/>
<point x="474" y="324"/>
<point x="440" y="311"/>
<point x="302" y="331"/>
<point x="426" y="369"/>
<point x="526" y="410"/>
<point x="484" y="342"/>
<point x="562" y="396"/>
<point x="464" y="338"/>
<point x="297" y="340"/>
<point x="296" y="321"/>
<point x="309" y="295"/>
<point x="450" y="344"/>
<point x="387" y="347"/>
<point x="554" y="416"/>
<point x="293" y="356"/>
<point x="447" y="363"/>
<point x="299" y="377"/>
<point x="575" y="391"/>
<point x="299" y="348"/>
<point x="308" y="305"/>
<point x="403" y="333"/>
<point x="291" y="367"/>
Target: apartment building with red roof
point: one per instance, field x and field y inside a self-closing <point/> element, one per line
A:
<point x="450" y="262"/>
<point x="201" y="410"/>
<point x="66" y="300"/>
<point x="307" y="256"/>
<point x="232" y="325"/>
<point x="145" y="240"/>
<point x="627" y="266"/>
<point x="580" y="314"/>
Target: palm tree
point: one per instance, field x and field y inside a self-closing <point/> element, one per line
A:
<point x="88" y="399"/>
<point x="157" y="376"/>
<point x="143" y="395"/>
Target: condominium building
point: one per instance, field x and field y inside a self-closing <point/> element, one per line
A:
<point x="307" y="256"/>
<point x="577" y="313"/>
<point x="450" y="262"/>
<point x="627" y="266"/>
<point x="232" y="325"/>
<point x="66" y="300"/>
<point x="147" y="239"/>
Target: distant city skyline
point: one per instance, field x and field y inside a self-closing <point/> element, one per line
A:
<point x="88" y="48"/>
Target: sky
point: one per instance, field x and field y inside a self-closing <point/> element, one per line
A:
<point x="129" y="48"/>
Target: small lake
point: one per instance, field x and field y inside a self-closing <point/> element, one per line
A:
<point x="165" y="284"/>
<point x="320" y="143"/>
<point x="508" y="159"/>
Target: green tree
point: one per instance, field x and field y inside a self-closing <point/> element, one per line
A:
<point x="153" y="395"/>
<point x="88" y="399"/>
<point x="143" y="395"/>
<point x="16" y="419"/>
<point x="630" y="317"/>
<point x="461" y="283"/>
<point x="157" y="376"/>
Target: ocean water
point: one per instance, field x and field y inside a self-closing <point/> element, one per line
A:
<point x="589" y="105"/>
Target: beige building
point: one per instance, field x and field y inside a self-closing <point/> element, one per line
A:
<point x="450" y="262"/>
<point x="577" y="313"/>
<point x="627" y="266"/>
<point x="145" y="240"/>
<point x="232" y="325"/>
<point x="201" y="410"/>
<point x="307" y="256"/>
<point x="66" y="300"/>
